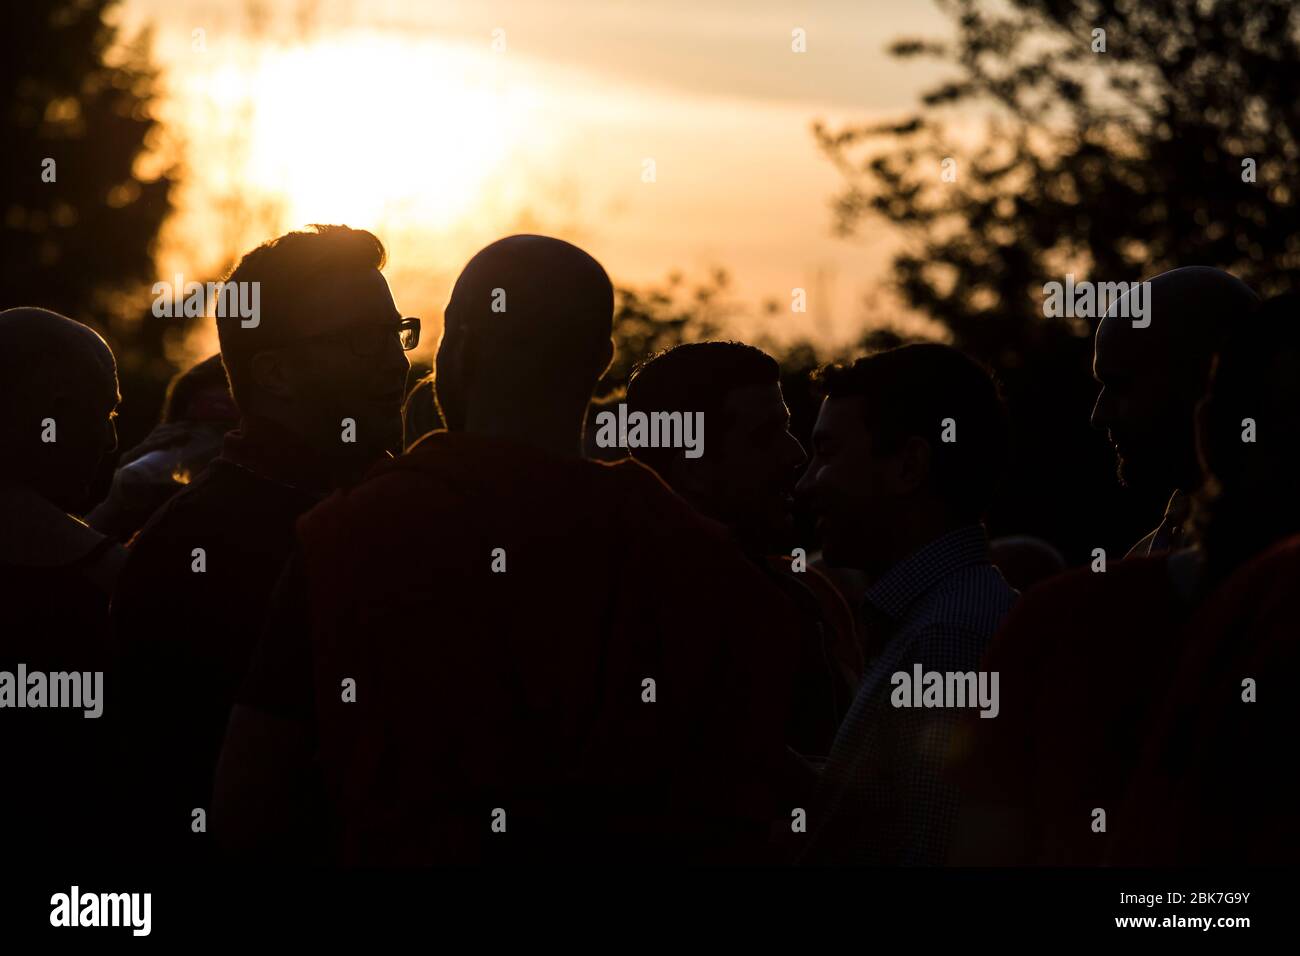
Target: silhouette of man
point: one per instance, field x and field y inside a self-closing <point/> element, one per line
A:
<point x="58" y="395"/>
<point x="318" y="378"/>
<point x="1212" y="786"/>
<point x="1151" y="377"/>
<point x="909" y="446"/>
<point x="1087" y="658"/>
<point x="745" y="479"/>
<point x="515" y="653"/>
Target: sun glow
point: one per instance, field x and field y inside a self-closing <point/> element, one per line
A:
<point x="372" y="129"/>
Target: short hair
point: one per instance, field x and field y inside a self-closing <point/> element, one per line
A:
<point x="285" y="267"/>
<point x="696" y="377"/>
<point x="908" y="392"/>
<point x="183" y="388"/>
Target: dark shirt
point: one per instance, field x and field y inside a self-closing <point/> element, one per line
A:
<point x="828" y="665"/>
<point x="55" y="575"/>
<point x="186" y="635"/>
<point x="1084" y="658"/>
<point x="1216" y="784"/>
<point x="51" y="799"/>
<point x="523" y="689"/>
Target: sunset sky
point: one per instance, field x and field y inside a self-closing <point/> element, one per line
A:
<point x="418" y="121"/>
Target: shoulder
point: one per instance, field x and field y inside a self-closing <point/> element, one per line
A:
<point x="1258" y="593"/>
<point x="205" y="502"/>
<point x="950" y="644"/>
<point x="654" y="507"/>
<point x="974" y="598"/>
<point x="1098" y="592"/>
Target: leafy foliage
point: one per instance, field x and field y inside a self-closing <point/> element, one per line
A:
<point x="1112" y="165"/>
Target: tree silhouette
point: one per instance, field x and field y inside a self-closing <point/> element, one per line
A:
<point x="1112" y="164"/>
<point x="1114" y="140"/>
<point x="80" y="214"/>
<point x="72" y="243"/>
<point x="648" y="320"/>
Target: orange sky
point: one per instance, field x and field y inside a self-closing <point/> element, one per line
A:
<point x="444" y="125"/>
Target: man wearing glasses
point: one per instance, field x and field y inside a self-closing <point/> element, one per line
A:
<point x="552" y="658"/>
<point x="319" y="378"/>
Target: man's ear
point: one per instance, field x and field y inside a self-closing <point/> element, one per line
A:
<point x="911" y="469"/>
<point x="270" y="374"/>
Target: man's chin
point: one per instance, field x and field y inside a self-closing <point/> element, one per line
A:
<point x="1125" y="473"/>
<point x="1132" y="475"/>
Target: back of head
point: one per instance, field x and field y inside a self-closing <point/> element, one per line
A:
<point x="38" y="347"/>
<point x="288" y="272"/>
<point x="696" y="377"/>
<point x="200" y="393"/>
<point x="1193" y="309"/>
<point x="1190" y="311"/>
<point x="529" y="318"/>
<point x="58" y="390"/>
<point x="944" y="397"/>
<point x="1249" y="435"/>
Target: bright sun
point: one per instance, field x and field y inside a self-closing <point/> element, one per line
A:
<point x="369" y="128"/>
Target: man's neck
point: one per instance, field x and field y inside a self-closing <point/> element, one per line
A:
<point x="279" y="452"/>
<point x="538" y="428"/>
<point x="906" y="542"/>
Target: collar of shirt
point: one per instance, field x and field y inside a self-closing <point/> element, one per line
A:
<point x="909" y="579"/>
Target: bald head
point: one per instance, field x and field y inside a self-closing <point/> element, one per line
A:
<point x="1152" y="372"/>
<point x="1190" y="310"/>
<point x="30" y="337"/>
<point x="529" y="319"/>
<point x="58" y="392"/>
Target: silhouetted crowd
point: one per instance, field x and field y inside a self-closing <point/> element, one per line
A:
<point x="322" y="618"/>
